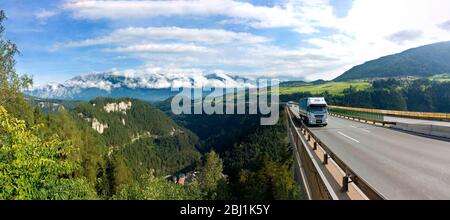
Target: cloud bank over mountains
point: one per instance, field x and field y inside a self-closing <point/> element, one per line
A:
<point x="130" y="81"/>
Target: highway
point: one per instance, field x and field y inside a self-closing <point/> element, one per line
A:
<point x="396" y="164"/>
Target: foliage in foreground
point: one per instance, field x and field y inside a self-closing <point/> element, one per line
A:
<point x="37" y="169"/>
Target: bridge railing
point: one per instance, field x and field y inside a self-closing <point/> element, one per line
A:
<point x="320" y="188"/>
<point x="401" y="114"/>
<point x="368" y="116"/>
<point x="313" y="179"/>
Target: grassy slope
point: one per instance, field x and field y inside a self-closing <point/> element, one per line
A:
<point x="334" y="88"/>
<point x="441" y="77"/>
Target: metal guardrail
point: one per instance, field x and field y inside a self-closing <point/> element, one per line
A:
<point x="402" y="114"/>
<point x="360" y="116"/>
<point x="356" y="114"/>
<point x="319" y="187"/>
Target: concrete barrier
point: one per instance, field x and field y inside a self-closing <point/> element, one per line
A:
<point x="432" y="130"/>
<point x="402" y="114"/>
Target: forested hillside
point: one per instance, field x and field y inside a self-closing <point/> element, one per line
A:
<point x="423" y="61"/>
<point x="257" y="158"/>
<point x="143" y="135"/>
<point x="217" y="132"/>
<point x="422" y="95"/>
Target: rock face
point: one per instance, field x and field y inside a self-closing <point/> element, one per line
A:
<point x="96" y="125"/>
<point x="110" y="107"/>
<point x="118" y="107"/>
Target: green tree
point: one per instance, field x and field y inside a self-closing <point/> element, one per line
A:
<point x="211" y="174"/>
<point x="10" y="82"/>
<point x="281" y="180"/>
<point x="273" y="181"/>
<point x="33" y="168"/>
<point x="150" y="187"/>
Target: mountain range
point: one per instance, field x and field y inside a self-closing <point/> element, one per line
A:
<point x="148" y="86"/>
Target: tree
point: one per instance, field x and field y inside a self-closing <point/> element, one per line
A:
<point x="10" y="82"/>
<point x="281" y="180"/>
<point x="272" y="181"/>
<point x="211" y="174"/>
<point x="150" y="187"/>
<point x="419" y="96"/>
<point x="37" y="169"/>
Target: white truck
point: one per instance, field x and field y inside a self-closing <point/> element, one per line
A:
<point x="313" y="111"/>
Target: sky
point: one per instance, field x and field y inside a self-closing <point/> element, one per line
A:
<point x="285" y="39"/>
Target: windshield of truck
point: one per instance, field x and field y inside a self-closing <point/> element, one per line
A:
<point x="318" y="109"/>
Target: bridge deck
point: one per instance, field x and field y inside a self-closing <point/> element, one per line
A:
<point x="397" y="164"/>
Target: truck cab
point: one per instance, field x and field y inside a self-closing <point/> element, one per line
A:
<point x="314" y="111"/>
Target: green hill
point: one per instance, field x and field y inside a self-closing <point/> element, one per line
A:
<point x="424" y="61"/>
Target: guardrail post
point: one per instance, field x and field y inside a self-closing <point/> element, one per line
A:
<point x="315" y="146"/>
<point x="345" y="181"/>
<point x="325" y="159"/>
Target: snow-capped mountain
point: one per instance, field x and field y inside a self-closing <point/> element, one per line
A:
<point x="146" y="85"/>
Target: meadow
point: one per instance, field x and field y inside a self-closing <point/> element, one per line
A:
<point x="334" y="88"/>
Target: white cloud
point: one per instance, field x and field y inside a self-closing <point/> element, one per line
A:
<point x="137" y="34"/>
<point x="161" y="48"/>
<point x="304" y="15"/>
<point x="45" y="14"/>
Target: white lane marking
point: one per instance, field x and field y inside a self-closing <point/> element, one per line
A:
<point x="367" y="131"/>
<point x="349" y="137"/>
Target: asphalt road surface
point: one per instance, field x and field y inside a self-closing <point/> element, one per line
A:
<point x="398" y="165"/>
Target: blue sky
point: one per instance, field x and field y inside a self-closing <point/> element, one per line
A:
<point x="295" y="39"/>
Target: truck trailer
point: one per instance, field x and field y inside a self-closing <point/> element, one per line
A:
<point x="313" y="111"/>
